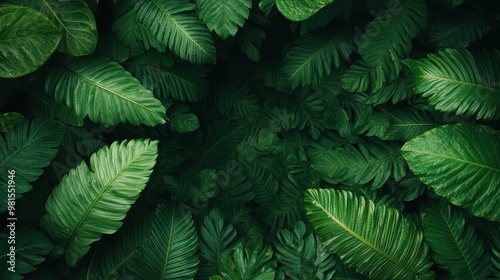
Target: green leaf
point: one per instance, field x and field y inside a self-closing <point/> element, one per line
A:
<point x="299" y="10"/>
<point x="90" y="202"/>
<point x="30" y="248"/>
<point x="253" y="261"/>
<point x="218" y="238"/>
<point x="250" y="41"/>
<point x="460" y="82"/>
<point x="455" y="244"/>
<point x="449" y="4"/>
<point x="173" y="24"/>
<point x="26" y="149"/>
<point x="75" y="21"/>
<point x="181" y="121"/>
<point x="28" y="40"/>
<point x="302" y="254"/>
<point x="171" y="252"/>
<point x="495" y="256"/>
<point x="387" y="39"/>
<point x="396" y="91"/>
<point x="377" y="240"/>
<point x="114" y="256"/>
<point x="460" y="27"/>
<point x="235" y="98"/>
<point x="313" y="56"/>
<point x="225" y="16"/>
<point x="372" y="162"/>
<point x="184" y="82"/>
<point x="105" y="92"/>
<point x="461" y="163"/>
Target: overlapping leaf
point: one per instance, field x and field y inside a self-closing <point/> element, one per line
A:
<point x="377" y="240"/>
<point x="225" y="16"/>
<point x="461" y="163"/>
<point x="105" y="92"/>
<point x="460" y="82"/>
<point x="90" y="202"/>
<point x="455" y="244"/>
<point x="28" y="40"/>
<point x="26" y="149"/>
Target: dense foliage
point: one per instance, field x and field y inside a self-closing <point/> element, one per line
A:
<point x="240" y="139"/>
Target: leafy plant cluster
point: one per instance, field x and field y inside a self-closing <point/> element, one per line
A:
<point x="240" y="139"/>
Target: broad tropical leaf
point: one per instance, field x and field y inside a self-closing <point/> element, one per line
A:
<point x="235" y="98"/>
<point x="184" y="82"/>
<point x="218" y="238"/>
<point x="371" y="162"/>
<point x="299" y="10"/>
<point x="28" y="40"/>
<point x="105" y="92"/>
<point x="250" y="261"/>
<point x="377" y="240"/>
<point x="174" y="25"/>
<point x="495" y="256"/>
<point x="31" y="247"/>
<point x="455" y="244"/>
<point x="313" y="56"/>
<point x="26" y="149"/>
<point x="225" y="16"/>
<point x="460" y="82"/>
<point x="302" y="254"/>
<point x="181" y="121"/>
<point x="250" y="41"/>
<point x="115" y="256"/>
<point x="90" y="202"/>
<point x="461" y="163"/>
<point x="387" y="38"/>
<point x="460" y="27"/>
<point x="171" y="251"/>
<point x="75" y="21"/>
<point x="396" y="91"/>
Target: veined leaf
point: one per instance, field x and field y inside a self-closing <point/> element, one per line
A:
<point x="173" y="24"/>
<point x="313" y="56"/>
<point x="250" y="40"/>
<point x="377" y="240"/>
<point x="218" y="238"/>
<point x="118" y="254"/>
<point x="181" y="121"/>
<point x="225" y="16"/>
<point x="75" y="21"/>
<point x="396" y="91"/>
<point x="387" y="39"/>
<point x="105" y="92"/>
<point x="299" y="10"/>
<point x="302" y="254"/>
<point x="31" y="247"/>
<point x="170" y="253"/>
<point x="461" y="163"/>
<point x="457" y="81"/>
<point x="371" y="162"/>
<point x="27" y="39"/>
<point x="26" y="149"/>
<point x="455" y="244"/>
<point x="90" y="202"/>
<point x="460" y="27"/>
<point x="184" y="82"/>
<point x="250" y="261"/>
<point x="495" y="257"/>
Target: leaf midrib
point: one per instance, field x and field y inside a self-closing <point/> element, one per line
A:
<point x="58" y="19"/>
<point x="456" y="159"/>
<point x="449" y="80"/>
<point x="97" y="85"/>
<point x="361" y="239"/>
<point x="97" y="198"/>
<point x="167" y="249"/>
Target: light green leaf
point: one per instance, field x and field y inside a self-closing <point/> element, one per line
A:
<point x="90" y="202"/>
<point x="224" y="16"/>
<point x="171" y="251"/>
<point x="105" y="92"/>
<point x="27" y="40"/>
<point x="461" y="163"/>
<point x="26" y="149"/>
<point x="460" y="82"/>
<point x="174" y="25"/>
<point x="455" y="244"/>
<point x="377" y="240"/>
<point x="299" y="10"/>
